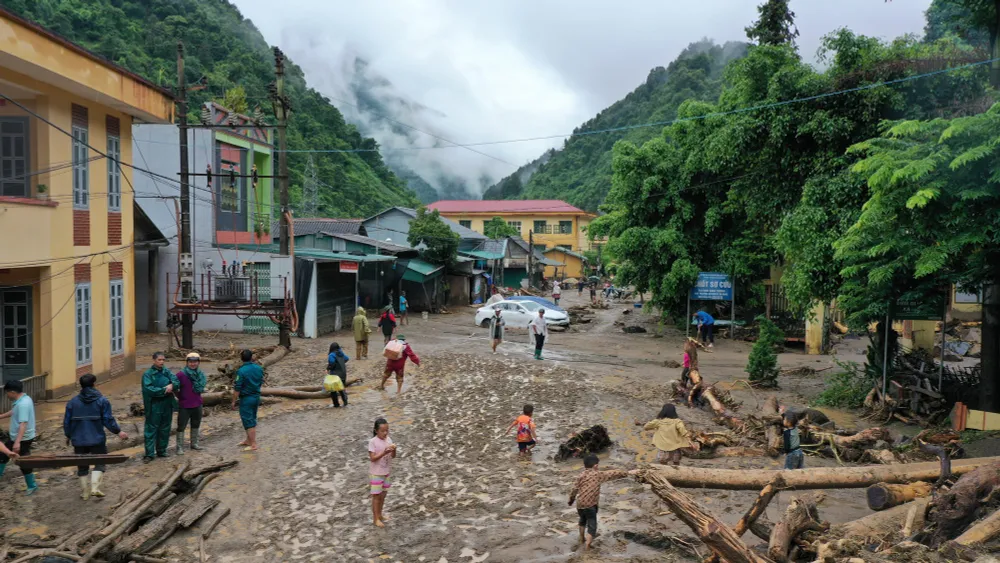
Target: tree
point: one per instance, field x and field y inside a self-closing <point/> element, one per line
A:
<point x="235" y="100"/>
<point x="775" y="26"/>
<point x="932" y="220"/>
<point x="762" y="365"/>
<point x="440" y="241"/>
<point x="497" y="228"/>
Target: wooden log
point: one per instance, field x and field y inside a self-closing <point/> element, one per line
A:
<point x="942" y="453"/>
<point x="160" y="506"/>
<point x="758" y="507"/>
<point x="730" y="451"/>
<point x="882" y="525"/>
<point x="127" y="522"/>
<point x="211" y="468"/>
<point x="211" y="527"/>
<point x="886" y="495"/>
<point x="762" y="529"/>
<point x="197" y="510"/>
<point x="718" y="537"/>
<point x="952" y="511"/>
<point x="156" y="531"/>
<point x="274" y="357"/>
<point x="220" y="397"/>
<point x="815" y="477"/>
<point x="801" y="515"/>
<point x="50" y="461"/>
<point x="772" y="433"/>
<point x="982" y="531"/>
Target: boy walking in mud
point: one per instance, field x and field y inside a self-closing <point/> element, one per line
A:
<point x="587" y="493"/>
<point x="526" y="438"/>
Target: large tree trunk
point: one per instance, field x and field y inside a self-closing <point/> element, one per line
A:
<point x="989" y="384"/>
<point x="815" y="478"/>
<point x="217" y="398"/>
<point x="771" y="432"/>
<point x="884" y="495"/>
<point x="951" y="512"/>
<point x="982" y="532"/>
<point x="800" y="516"/>
<point x="882" y="525"/>
<point x="718" y="537"/>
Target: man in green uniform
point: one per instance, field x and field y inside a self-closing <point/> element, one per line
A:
<point x="158" y="386"/>
<point x="246" y="393"/>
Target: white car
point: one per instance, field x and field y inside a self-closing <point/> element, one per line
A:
<point x="519" y="314"/>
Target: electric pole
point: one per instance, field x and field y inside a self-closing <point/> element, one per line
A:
<point x="186" y="273"/>
<point x="281" y="112"/>
<point x="310" y="189"/>
<point x="531" y="252"/>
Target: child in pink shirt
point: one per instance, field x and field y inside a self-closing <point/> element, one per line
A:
<point x="381" y="450"/>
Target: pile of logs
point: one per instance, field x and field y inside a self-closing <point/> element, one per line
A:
<point x="934" y="522"/>
<point x="911" y="397"/>
<point x="580" y="314"/>
<point x="140" y="524"/>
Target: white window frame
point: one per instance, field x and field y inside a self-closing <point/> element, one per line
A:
<point x="117" y="317"/>
<point x="516" y="225"/>
<point x="81" y="168"/>
<point x="114" y="173"/>
<point x="84" y="325"/>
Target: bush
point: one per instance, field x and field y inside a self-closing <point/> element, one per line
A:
<point x="845" y="390"/>
<point x="763" y="363"/>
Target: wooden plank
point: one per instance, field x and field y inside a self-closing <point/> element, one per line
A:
<point x="196" y="511"/>
<point x="48" y="461"/>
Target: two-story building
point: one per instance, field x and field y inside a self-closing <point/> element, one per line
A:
<point x="66" y="208"/>
<point x="551" y="222"/>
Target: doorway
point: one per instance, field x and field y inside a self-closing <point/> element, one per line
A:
<point x="15" y="334"/>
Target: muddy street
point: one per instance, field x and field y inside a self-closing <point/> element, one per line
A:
<point x="459" y="491"/>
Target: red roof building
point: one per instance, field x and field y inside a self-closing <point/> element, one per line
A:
<point x="548" y="222"/>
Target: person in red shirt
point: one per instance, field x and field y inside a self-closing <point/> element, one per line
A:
<point x="526" y="437"/>
<point x="397" y="366"/>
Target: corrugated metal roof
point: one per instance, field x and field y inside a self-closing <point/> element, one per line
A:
<point x="313" y="225"/>
<point x="314" y="253"/>
<point x="567" y="252"/>
<point x="483" y="255"/>
<point x="463" y="232"/>
<point x="505" y="206"/>
<point x="380" y="244"/>
<point x="419" y="271"/>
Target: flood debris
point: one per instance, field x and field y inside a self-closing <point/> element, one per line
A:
<point x="140" y="524"/>
<point x="590" y="441"/>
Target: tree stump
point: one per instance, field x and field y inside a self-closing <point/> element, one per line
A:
<point x="886" y="495"/>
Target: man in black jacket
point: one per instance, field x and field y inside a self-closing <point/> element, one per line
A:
<point x="87" y="415"/>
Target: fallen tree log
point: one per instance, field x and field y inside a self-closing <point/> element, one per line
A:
<point x="815" y="478"/>
<point x="127" y="522"/>
<point x="771" y="432"/>
<point x="718" y="537"/>
<point x="886" y="495"/>
<point x="730" y="451"/>
<point x="882" y="525"/>
<point x="220" y="397"/>
<point x="801" y="515"/>
<point x="759" y="506"/>
<point x="952" y="511"/>
<point x="982" y="531"/>
<point x="274" y="357"/>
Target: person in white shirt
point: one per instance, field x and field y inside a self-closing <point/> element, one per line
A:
<point x="540" y="330"/>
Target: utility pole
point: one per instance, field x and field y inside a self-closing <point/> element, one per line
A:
<point x="281" y="109"/>
<point x="281" y="112"/>
<point x="531" y="252"/>
<point x="186" y="273"/>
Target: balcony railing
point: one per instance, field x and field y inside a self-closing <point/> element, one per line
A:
<point x="34" y="387"/>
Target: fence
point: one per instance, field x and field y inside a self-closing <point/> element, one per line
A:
<point x="34" y="387"/>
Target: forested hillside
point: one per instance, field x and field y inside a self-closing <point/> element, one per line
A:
<point x="580" y="172"/>
<point x="228" y="50"/>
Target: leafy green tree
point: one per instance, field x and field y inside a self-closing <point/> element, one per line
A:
<point x="932" y="220"/>
<point x="775" y="26"/>
<point x="429" y="230"/>
<point x="235" y="100"/>
<point x="497" y="228"/>
<point x="762" y="365"/>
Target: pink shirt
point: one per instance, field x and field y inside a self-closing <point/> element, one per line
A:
<point x="687" y="360"/>
<point x="377" y="445"/>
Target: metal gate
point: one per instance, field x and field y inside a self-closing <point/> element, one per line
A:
<point x="260" y="274"/>
<point x="15" y="328"/>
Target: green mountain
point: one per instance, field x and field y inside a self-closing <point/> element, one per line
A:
<point x="227" y="50"/>
<point x="580" y="172"/>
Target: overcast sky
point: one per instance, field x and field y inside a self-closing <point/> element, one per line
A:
<point x="504" y="69"/>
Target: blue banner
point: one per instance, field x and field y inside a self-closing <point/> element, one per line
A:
<point x="712" y="286"/>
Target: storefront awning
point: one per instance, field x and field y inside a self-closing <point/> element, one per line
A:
<point x="419" y="271"/>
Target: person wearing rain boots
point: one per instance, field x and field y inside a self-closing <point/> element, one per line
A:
<point x="158" y="387"/>
<point x="22" y="430"/>
<point x="87" y="415"/>
<point x="192" y="384"/>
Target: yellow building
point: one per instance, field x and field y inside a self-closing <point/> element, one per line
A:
<point x="66" y="284"/>
<point x="574" y="264"/>
<point x="551" y="222"/>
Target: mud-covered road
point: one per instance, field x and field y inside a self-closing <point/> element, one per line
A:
<point x="459" y="491"/>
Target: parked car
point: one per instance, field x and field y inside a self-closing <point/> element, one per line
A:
<point x="520" y="313"/>
<point x="540" y="300"/>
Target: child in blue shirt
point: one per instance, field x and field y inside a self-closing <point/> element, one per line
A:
<point x="336" y="364"/>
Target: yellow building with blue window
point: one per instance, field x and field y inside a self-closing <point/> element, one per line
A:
<point x="66" y="208"/>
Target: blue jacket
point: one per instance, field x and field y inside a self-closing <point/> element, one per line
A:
<point x="335" y="367"/>
<point x="87" y="415"/>
<point x="704" y="318"/>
